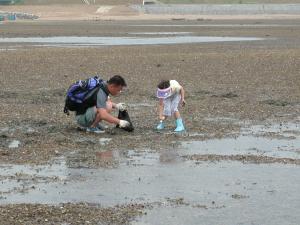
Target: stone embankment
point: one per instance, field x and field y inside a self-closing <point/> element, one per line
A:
<point x="16" y="15"/>
<point x="218" y="9"/>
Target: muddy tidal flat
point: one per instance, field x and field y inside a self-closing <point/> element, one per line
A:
<point x="237" y="163"/>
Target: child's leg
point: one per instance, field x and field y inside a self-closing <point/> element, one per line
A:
<point x="163" y="111"/>
<point x="175" y="100"/>
<point x="177" y="115"/>
<point x="174" y="108"/>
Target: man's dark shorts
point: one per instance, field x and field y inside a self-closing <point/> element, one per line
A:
<point x="87" y="119"/>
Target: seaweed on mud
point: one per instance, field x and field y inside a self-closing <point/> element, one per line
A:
<point x="238" y="196"/>
<point x="242" y="158"/>
<point x="34" y="98"/>
<point x="58" y="92"/>
<point x="28" y="123"/>
<point x="3" y="140"/>
<point x="41" y="99"/>
<point x="277" y="102"/>
<point x="53" y="129"/>
<point x="177" y="201"/>
<point x="202" y="92"/>
<point x="198" y="94"/>
<point x="226" y="95"/>
<point x="8" y="94"/>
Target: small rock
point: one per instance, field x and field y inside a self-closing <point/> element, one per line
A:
<point x="104" y="141"/>
<point x="14" y="144"/>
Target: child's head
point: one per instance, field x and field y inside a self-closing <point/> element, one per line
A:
<point x="164" y="84"/>
<point x="164" y="89"/>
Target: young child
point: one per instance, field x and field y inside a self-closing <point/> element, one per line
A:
<point x="170" y="94"/>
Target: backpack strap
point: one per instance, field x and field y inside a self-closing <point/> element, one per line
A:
<point x="66" y="110"/>
<point x="104" y="88"/>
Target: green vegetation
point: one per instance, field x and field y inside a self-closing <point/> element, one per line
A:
<point x="97" y="2"/>
<point x="10" y="2"/>
<point x="228" y="1"/>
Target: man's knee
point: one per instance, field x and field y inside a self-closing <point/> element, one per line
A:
<point x="109" y="106"/>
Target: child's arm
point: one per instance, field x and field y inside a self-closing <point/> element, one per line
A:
<point x="182" y="101"/>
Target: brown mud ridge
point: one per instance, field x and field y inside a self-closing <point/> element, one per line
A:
<point x="242" y="158"/>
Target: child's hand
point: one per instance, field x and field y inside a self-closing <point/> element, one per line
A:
<point x="183" y="102"/>
<point x="162" y="117"/>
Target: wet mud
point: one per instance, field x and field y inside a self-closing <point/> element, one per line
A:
<point x="68" y="214"/>
<point x="240" y="150"/>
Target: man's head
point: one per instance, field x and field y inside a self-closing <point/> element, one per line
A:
<point x="116" y="84"/>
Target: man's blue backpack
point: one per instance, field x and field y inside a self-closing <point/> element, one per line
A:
<point x="82" y="94"/>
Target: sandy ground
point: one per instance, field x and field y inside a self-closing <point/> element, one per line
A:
<point x="252" y="82"/>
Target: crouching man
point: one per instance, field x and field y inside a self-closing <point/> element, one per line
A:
<point x="101" y="107"/>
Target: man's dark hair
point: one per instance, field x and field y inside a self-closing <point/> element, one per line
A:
<point x="163" y="84"/>
<point x="117" y="80"/>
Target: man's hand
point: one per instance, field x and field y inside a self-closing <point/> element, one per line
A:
<point x="124" y="123"/>
<point x="121" y="106"/>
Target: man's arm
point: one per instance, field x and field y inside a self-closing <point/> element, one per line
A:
<point x="102" y="114"/>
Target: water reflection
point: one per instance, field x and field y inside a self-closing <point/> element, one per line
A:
<point x="273" y="140"/>
<point x="112" y="41"/>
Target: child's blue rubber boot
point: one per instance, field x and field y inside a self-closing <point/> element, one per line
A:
<point x="179" y="125"/>
<point x="160" y="126"/>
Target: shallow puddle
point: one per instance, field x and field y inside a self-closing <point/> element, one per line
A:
<point x="213" y="192"/>
<point x="246" y="145"/>
<point x="289" y="130"/>
<point x="216" y="25"/>
<point x="279" y="141"/>
<point x="111" y="41"/>
<point x="8" y="49"/>
<point x="161" y="33"/>
<point x="180" y="191"/>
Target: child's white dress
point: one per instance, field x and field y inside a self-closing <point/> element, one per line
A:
<point x="171" y="103"/>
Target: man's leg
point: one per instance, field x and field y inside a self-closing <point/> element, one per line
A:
<point x="109" y="106"/>
<point x="109" y="109"/>
<point x="86" y="119"/>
